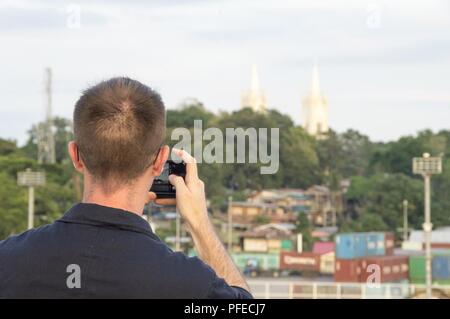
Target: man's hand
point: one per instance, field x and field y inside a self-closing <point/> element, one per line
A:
<point x="190" y="192"/>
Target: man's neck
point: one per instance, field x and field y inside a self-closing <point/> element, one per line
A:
<point x="125" y="199"/>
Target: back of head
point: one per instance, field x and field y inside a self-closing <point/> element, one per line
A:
<point x="119" y="126"/>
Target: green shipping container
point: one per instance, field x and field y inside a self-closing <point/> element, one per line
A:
<point x="416" y="268"/>
<point x="265" y="262"/>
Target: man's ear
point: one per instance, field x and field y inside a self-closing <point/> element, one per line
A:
<point x="160" y="160"/>
<point x="72" y="148"/>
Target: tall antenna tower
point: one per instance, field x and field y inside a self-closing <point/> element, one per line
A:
<point x="46" y="141"/>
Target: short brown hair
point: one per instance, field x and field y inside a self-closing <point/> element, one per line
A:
<point x="119" y="125"/>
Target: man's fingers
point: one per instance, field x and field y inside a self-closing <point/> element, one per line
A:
<point x="150" y="197"/>
<point x="166" y="201"/>
<point x="191" y="164"/>
<point x="178" y="182"/>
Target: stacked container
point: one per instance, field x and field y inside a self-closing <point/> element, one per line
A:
<point x="351" y="246"/>
<point x="355" y="251"/>
<point x="440" y="269"/>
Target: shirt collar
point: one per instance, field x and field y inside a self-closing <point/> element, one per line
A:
<point x="98" y="215"/>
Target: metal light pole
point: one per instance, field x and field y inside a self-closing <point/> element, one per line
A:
<point x="230" y="225"/>
<point x="405" y="220"/>
<point x="426" y="166"/>
<point x="31" y="180"/>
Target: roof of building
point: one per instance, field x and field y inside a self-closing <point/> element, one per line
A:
<point x="323" y="247"/>
<point x="268" y="231"/>
<point x="440" y="235"/>
<point x="253" y="204"/>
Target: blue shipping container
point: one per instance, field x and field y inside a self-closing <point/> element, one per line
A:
<point x="441" y="267"/>
<point x="351" y="245"/>
<point x="375" y="244"/>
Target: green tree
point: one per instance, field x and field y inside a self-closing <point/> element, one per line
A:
<point x="63" y="133"/>
<point x="304" y="228"/>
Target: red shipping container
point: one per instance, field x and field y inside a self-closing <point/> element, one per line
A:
<point x="378" y="269"/>
<point x="305" y="261"/>
<point x="389" y="243"/>
<point x="347" y="270"/>
<point x="439" y="246"/>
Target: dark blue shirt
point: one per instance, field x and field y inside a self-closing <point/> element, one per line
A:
<point x="95" y="251"/>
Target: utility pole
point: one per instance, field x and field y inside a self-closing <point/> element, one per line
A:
<point x="426" y="166"/>
<point x="230" y="224"/>
<point x="405" y="220"/>
<point x="31" y="180"/>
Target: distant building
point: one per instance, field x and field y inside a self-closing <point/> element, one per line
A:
<point x="323" y="205"/>
<point x="267" y="238"/>
<point x="249" y="212"/>
<point x="315" y="108"/>
<point x="284" y="205"/>
<point x="254" y="98"/>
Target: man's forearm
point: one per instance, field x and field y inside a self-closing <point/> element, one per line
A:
<point x="213" y="253"/>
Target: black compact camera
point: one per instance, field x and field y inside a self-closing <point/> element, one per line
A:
<point x="161" y="185"/>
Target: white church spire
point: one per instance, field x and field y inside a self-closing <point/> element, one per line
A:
<point x="255" y="97"/>
<point x="315" y="108"/>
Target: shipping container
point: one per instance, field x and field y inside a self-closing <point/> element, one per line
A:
<point x="351" y="245"/>
<point x="417" y="268"/>
<point x="440" y="245"/>
<point x="257" y="263"/>
<point x="347" y="270"/>
<point x="379" y="269"/>
<point x="441" y="267"/>
<point x="306" y="262"/>
<point x="375" y="244"/>
<point x="357" y="245"/>
<point x="327" y="263"/>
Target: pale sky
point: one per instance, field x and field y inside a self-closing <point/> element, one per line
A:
<point x="384" y="65"/>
